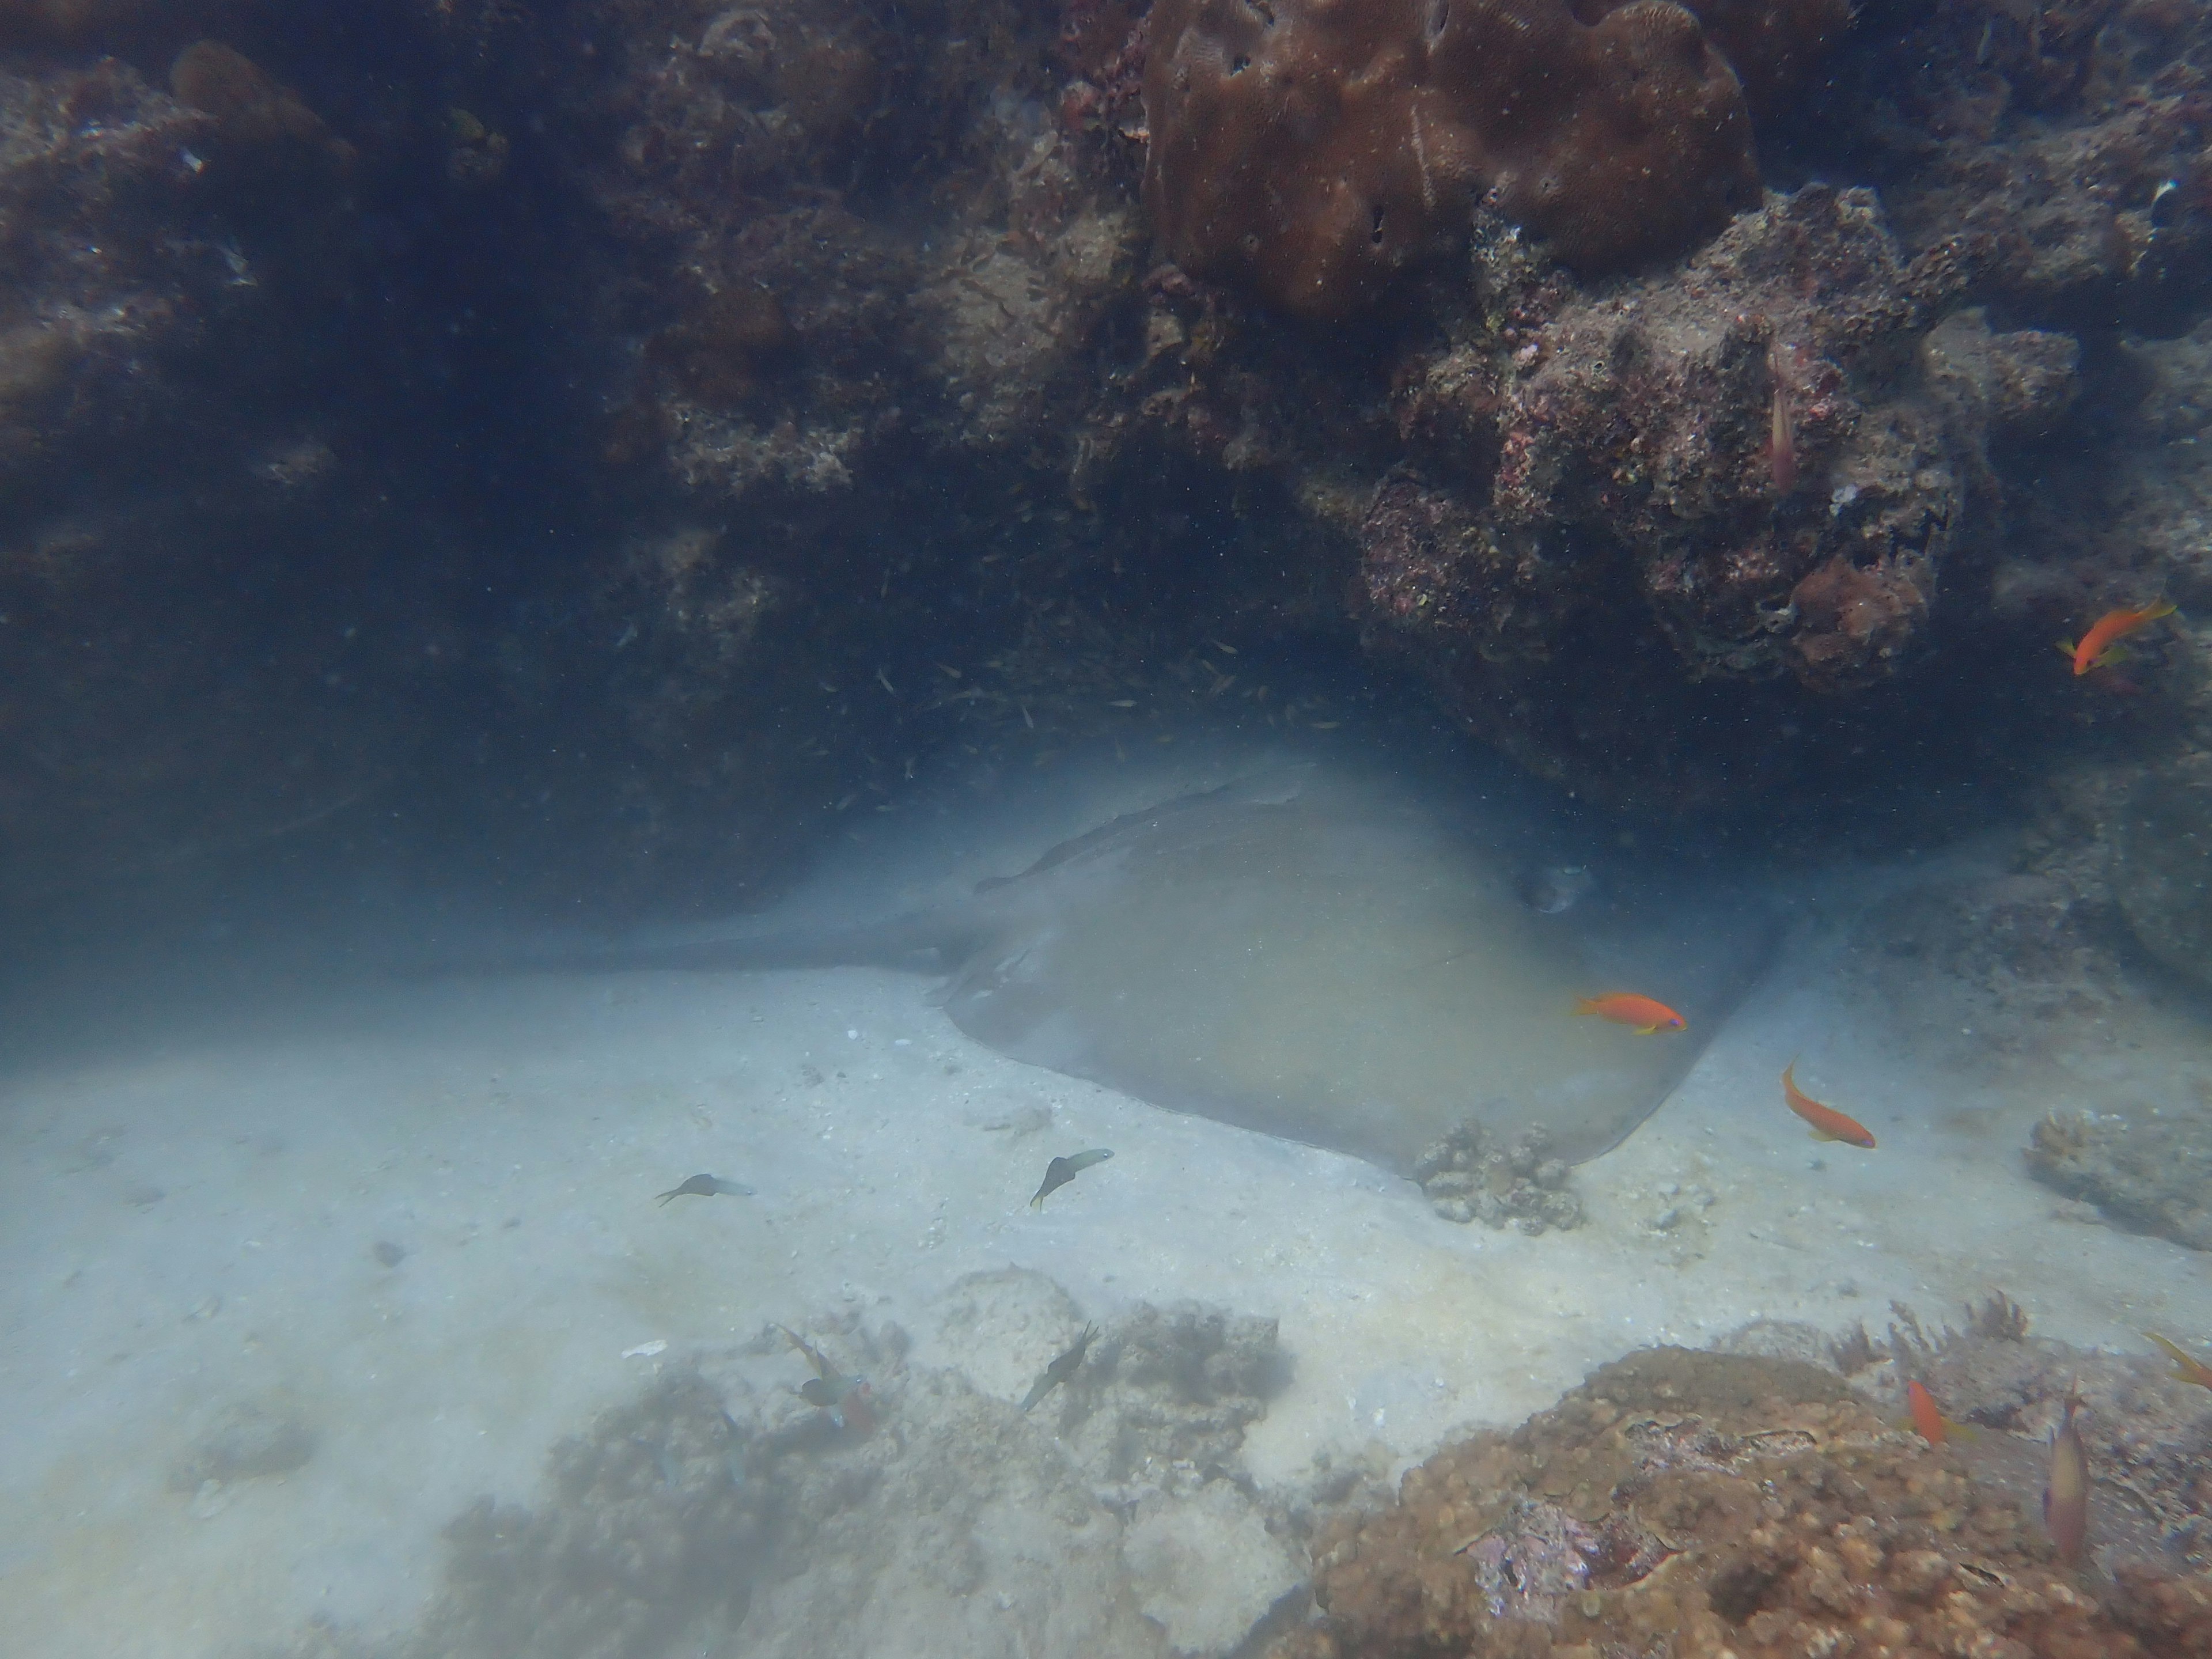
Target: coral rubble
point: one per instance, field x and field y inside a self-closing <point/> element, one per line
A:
<point x="1518" y="1185"/>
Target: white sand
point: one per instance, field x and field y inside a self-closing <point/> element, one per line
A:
<point x="510" y="1137"/>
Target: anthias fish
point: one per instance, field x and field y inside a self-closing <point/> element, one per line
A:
<point x="1927" y="1416"/>
<point x="1646" y="1014"/>
<point x="2187" y="1367"/>
<point x="2066" y="1498"/>
<point x="1828" y="1123"/>
<point x="2099" y="647"/>
<point x="1060" y="1369"/>
<point x="706" y="1186"/>
<point x="1061" y="1171"/>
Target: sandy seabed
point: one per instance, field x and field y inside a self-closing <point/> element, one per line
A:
<point x="396" y="1248"/>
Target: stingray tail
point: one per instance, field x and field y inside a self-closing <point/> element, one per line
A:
<point x="915" y="941"/>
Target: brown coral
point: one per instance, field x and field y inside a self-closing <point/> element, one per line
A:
<point x="1697" y="1504"/>
<point x="1311" y="151"/>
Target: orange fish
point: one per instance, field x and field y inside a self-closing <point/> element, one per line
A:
<point x="1927" y="1417"/>
<point x="2099" y="647"/>
<point x="1626" y="1008"/>
<point x="2187" y="1367"/>
<point x="1828" y="1123"/>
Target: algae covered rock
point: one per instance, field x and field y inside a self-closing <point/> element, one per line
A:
<point x="2162" y="869"/>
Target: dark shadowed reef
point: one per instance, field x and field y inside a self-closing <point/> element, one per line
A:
<point x="582" y="448"/>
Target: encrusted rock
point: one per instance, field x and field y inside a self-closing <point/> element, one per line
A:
<point x="1737" y="472"/>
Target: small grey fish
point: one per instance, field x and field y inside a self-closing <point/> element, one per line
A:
<point x="1061" y="1171"/>
<point x="2066" y="1497"/>
<point x="1549" y="892"/>
<point x="1060" y="1369"/>
<point x="706" y="1186"/>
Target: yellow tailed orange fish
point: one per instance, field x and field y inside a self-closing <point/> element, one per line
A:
<point x="2097" y="646"/>
<point x="2187" y="1367"/>
<point x="1626" y="1008"/>
<point x="1927" y="1416"/>
<point x="1828" y="1123"/>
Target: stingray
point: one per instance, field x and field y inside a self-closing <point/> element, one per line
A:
<point x="1310" y="955"/>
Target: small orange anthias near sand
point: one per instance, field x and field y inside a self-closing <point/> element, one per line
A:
<point x="1828" y="1123"/>
<point x="2100" y="648"/>
<point x="1927" y="1416"/>
<point x="1646" y="1014"/>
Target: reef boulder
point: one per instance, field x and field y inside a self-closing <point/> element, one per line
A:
<point x="1746" y="469"/>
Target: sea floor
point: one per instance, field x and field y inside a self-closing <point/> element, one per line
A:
<point x="283" y="1299"/>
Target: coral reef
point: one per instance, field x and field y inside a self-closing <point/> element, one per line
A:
<point x="765" y="156"/>
<point x="1746" y="471"/>
<point x="2146" y="1432"/>
<point x="1513" y="1186"/>
<point x="2149" y="1170"/>
<point x="1703" y="1503"/>
<point x="2062" y="147"/>
<point x="104" y="268"/>
<point x="1309" y="153"/>
<point x="814" y="336"/>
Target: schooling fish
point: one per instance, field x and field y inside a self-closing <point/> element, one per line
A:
<point x="2066" y="1498"/>
<point x="2187" y="1367"/>
<point x="1626" y="1008"/>
<point x="706" y="1186"/>
<point x="1061" y="1171"/>
<point x="1828" y="1123"/>
<point x="1060" y="1369"/>
<point x="2098" y="648"/>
